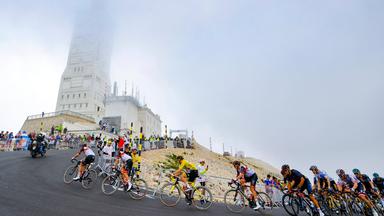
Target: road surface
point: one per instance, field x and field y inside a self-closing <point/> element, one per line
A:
<point x="35" y="187"/>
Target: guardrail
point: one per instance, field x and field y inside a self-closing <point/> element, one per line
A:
<point x="64" y="112"/>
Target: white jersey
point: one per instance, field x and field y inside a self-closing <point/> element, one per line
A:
<point x="88" y="151"/>
<point x="202" y="176"/>
<point x="108" y="150"/>
<point x="125" y="157"/>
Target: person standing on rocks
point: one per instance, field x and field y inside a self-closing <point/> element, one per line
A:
<point x="202" y="172"/>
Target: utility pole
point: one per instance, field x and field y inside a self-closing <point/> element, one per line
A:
<point x="223" y="149"/>
<point x="231" y="151"/>
<point x="210" y="144"/>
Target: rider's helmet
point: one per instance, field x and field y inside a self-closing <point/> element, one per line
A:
<point x="285" y="167"/>
<point x="375" y="175"/>
<point x="179" y="158"/>
<point x="236" y="163"/>
<point x="356" y="171"/>
<point x="201" y="161"/>
<point x="340" y="172"/>
<point x="313" y="167"/>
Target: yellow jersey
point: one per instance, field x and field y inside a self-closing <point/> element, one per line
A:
<point x="187" y="165"/>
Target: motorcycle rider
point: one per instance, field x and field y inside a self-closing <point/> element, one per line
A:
<point x="41" y="142"/>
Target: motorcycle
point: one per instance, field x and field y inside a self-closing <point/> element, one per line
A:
<point x="37" y="148"/>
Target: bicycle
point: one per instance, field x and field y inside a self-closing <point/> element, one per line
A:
<point x="199" y="196"/>
<point x="87" y="179"/>
<point x="377" y="202"/>
<point x="339" y="204"/>
<point x="294" y="202"/>
<point x="362" y="208"/>
<point x="235" y="198"/>
<point x="113" y="182"/>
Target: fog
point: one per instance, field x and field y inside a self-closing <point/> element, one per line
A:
<point x="298" y="82"/>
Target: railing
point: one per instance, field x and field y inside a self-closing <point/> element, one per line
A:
<point x="64" y="112"/>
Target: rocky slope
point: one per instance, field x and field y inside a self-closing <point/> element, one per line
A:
<point x="220" y="169"/>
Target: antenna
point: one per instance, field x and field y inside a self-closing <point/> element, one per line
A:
<point x="125" y="89"/>
<point x="132" y="89"/>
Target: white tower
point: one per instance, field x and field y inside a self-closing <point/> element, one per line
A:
<point x="85" y="82"/>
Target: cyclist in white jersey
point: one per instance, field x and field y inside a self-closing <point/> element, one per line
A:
<point x="89" y="158"/>
<point x="126" y="167"/>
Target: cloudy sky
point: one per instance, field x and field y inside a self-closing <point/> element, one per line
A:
<point x="298" y="82"/>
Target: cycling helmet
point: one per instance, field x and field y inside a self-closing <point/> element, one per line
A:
<point x="236" y="163"/>
<point x="340" y="172"/>
<point x="134" y="148"/>
<point x="180" y="157"/>
<point x="313" y="167"/>
<point x="375" y="175"/>
<point x="285" y="167"/>
<point x="356" y="171"/>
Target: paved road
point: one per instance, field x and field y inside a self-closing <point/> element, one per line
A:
<point x="35" y="187"/>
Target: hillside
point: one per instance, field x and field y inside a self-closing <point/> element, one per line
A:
<point x="219" y="166"/>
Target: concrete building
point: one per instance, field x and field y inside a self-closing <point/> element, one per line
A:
<point x="85" y="82"/>
<point x="129" y="109"/>
<point x="85" y="89"/>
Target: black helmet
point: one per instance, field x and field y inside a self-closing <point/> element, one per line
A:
<point x="313" y="167"/>
<point x="236" y="163"/>
<point x="285" y="167"/>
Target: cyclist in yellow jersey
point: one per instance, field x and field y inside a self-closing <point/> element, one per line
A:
<point x="187" y="172"/>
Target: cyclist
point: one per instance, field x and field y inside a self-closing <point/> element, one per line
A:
<point x="352" y="184"/>
<point x="368" y="184"/>
<point x="126" y="165"/>
<point x="244" y="175"/>
<point x="188" y="174"/>
<point x="296" y="180"/>
<point x="322" y="180"/>
<point x="366" y="181"/>
<point x="89" y="158"/>
<point x="379" y="182"/>
<point x="136" y="160"/>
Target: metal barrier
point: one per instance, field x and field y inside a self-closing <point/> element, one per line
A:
<point x="64" y="112"/>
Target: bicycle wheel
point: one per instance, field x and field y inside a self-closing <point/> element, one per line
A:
<point x="110" y="184"/>
<point x="89" y="179"/>
<point x="139" y="189"/>
<point x="69" y="174"/>
<point x="299" y="204"/>
<point x="170" y="195"/>
<point x="202" y="198"/>
<point x="289" y="206"/>
<point x="265" y="201"/>
<point x="357" y="207"/>
<point x="234" y="201"/>
<point x="327" y="206"/>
